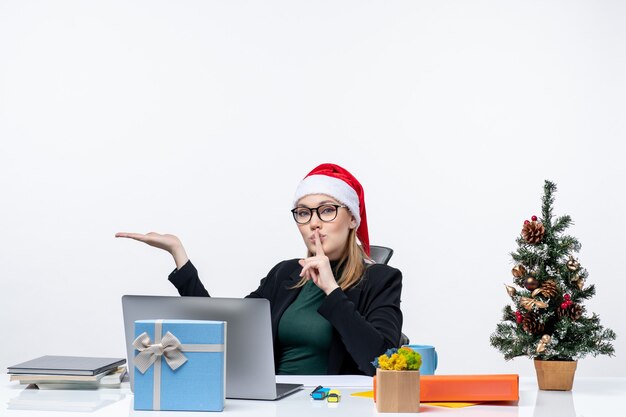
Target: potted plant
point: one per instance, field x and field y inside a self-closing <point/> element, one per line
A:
<point x="397" y="381"/>
<point x="548" y="321"/>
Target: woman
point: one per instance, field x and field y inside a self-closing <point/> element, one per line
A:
<point x="334" y="311"/>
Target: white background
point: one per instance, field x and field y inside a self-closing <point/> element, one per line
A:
<point x="199" y="118"/>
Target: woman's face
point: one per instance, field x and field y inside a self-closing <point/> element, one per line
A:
<point x="333" y="234"/>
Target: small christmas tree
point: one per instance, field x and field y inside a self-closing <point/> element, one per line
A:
<point x="548" y="321"/>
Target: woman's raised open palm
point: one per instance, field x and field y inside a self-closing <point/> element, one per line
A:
<point x="167" y="242"/>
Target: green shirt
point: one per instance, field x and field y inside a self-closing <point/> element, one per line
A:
<point x="304" y="336"/>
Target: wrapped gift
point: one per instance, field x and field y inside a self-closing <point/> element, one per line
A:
<point x="179" y="365"/>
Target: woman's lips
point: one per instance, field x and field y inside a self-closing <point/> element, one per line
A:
<point x="312" y="238"/>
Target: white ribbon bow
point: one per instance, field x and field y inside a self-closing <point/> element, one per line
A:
<point x="169" y="348"/>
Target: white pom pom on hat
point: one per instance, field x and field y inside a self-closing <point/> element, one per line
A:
<point x="337" y="182"/>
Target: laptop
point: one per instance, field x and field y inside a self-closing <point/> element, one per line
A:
<point x="249" y="347"/>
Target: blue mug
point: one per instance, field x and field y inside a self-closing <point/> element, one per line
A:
<point x="429" y="358"/>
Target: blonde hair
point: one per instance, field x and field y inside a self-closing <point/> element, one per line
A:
<point x="353" y="262"/>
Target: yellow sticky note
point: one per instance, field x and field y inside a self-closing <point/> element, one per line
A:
<point x="365" y="394"/>
<point x="455" y="404"/>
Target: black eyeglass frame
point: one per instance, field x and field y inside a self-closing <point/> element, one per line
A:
<point x="316" y="210"/>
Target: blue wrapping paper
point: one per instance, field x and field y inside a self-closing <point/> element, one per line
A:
<point x="198" y="384"/>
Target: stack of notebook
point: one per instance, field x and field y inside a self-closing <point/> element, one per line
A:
<point x="70" y="372"/>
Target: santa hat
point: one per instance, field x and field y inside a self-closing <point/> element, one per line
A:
<point x="335" y="181"/>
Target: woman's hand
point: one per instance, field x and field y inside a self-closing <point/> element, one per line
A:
<point x="317" y="268"/>
<point x="169" y="243"/>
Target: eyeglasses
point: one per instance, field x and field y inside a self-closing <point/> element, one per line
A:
<point x="326" y="213"/>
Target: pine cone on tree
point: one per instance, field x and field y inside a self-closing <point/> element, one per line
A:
<point x="533" y="231"/>
<point x="531" y="323"/>
<point x="573" y="311"/>
<point x="548" y="289"/>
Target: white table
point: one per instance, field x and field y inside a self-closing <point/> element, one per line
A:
<point x="590" y="397"/>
